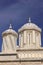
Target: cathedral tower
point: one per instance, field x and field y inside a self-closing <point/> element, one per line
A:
<point x="29" y="36"/>
<point x="9" y="40"/>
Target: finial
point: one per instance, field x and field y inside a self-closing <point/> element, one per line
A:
<point x="29" y="20"/>
<point x="10" y="26"/>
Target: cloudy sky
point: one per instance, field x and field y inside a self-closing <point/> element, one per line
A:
<point x="19" y="11"/>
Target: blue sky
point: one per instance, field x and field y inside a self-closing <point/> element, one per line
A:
<point x="19" y="11"/>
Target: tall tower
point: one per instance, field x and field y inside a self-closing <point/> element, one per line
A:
<point x="29" y="36"/>
<point x="9" y="40"/>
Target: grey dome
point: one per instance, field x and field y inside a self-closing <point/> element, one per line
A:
<point x="30" y="26"/>
<point x="10" y="31"/>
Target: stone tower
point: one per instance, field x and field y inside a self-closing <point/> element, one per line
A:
<point x="29" y="36"/>
<point x="9" y="40"/>
<point x="29" y="50"/>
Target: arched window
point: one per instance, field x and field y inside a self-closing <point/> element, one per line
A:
<point x="21" y="40"/>
<point x="29" y="38"/>
<point x="37" y="39"/>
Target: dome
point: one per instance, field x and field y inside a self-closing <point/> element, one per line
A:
<point x="10" y="31"/>
<point x="29" y="26"/>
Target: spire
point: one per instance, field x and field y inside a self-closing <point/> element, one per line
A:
<point x="10" y="26"/>
<point x="29" y="20"/>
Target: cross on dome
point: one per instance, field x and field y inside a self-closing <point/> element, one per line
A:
<point x="29" y="20"/>
<point x="10" y="26"/>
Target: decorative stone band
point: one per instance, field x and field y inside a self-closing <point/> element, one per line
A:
<point x="8" y="57"/>
<point x="30" y="53"/>
<point x="12" y="58"/>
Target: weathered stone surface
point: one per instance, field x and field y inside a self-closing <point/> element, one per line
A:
<point x="29" y="51"/>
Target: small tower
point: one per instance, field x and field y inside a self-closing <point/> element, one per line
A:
<point x="9" y="40"/>
<point x="29" y="36"/>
